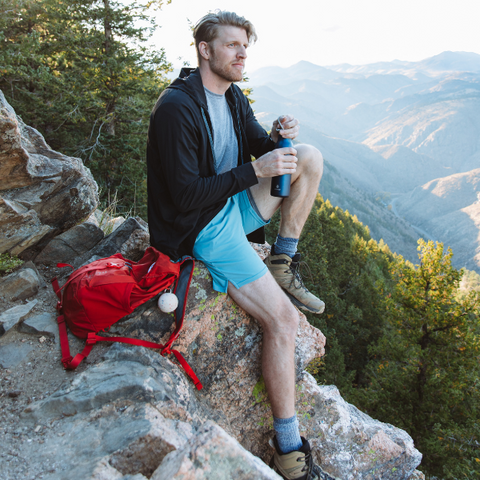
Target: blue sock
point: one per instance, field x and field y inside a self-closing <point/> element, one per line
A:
<point x="287" y="433"/>
<point x="286" y="245"/>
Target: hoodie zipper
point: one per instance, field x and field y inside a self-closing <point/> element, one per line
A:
<point x="240" y="140"/>
<point x="210" y="138"/>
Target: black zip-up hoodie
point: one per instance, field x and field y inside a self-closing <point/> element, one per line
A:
<point x="184" y="191"/>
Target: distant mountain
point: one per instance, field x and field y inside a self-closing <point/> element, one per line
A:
<point x="281" y="75"/>
<point x="403" y="169"/>
<point x="441" y="196"/>
<point x="354" y="161"/>
<point x="388" y="129"/>
<point x="445" y="127"/>
<point x="371" y="210"/>
<point x="451" y="61"/>
<point x="449" y="210"/>
<point x="443" y="62"/>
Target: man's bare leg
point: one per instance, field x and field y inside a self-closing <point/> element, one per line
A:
<point x="283" y="261"/>
<point x="303" y="191"/>
<point x="266" y="302"/>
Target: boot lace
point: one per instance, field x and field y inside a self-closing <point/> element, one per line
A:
<point x="308" y="467"/>
<point x="295" y="268"/>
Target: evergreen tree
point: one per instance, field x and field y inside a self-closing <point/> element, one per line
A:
<point x="80" y="72"/>
<point x="424" y="377"/>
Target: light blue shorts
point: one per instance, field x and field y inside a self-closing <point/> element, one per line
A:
<point x="223" y="247"/>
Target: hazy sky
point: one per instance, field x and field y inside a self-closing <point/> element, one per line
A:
<point x="332" y="32"/>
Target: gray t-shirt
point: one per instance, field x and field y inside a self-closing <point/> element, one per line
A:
<point x="224" y="139"/>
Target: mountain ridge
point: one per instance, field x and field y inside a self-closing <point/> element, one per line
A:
<point x="388" y="128"/>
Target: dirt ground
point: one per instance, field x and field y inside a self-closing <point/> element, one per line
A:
<point x="39" y="374"/>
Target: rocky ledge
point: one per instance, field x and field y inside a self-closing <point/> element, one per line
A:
<point x="127" y="412"/>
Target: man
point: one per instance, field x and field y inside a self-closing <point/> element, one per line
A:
<point x="205" y="194"/>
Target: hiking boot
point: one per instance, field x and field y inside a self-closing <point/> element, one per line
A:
<point x="286" y="271"/>
<point x="297" y="465"/>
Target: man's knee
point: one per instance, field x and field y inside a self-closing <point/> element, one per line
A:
<point x="284" y="320"/>
<point x="310" y="159"/>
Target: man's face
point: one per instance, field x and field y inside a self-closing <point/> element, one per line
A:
<point x="228" y="53"/>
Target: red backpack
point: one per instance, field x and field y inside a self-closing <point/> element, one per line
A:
<point x="99" y="294"/>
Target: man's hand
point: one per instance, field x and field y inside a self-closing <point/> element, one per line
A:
<point x="280" y="161"/>
<point x="291" y="127"/>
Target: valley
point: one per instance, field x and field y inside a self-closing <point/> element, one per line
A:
<point x="401" y="141"/>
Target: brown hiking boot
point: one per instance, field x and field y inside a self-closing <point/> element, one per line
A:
<point x="297" y="465"/>
<point x="286" y="271"/>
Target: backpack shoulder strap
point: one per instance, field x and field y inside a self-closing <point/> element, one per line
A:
<point x="71" y="363"/>
<point x="181" y="291"/>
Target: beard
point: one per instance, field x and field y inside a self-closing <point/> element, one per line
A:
<point x="227" y="72"/>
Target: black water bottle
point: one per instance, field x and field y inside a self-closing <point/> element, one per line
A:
<point x="281" y="184"/>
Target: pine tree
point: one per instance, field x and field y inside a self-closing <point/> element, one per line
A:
<point x="425" y="374"/>
<point x="80" y="72"/>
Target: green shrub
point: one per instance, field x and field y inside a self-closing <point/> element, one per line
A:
<point x="8" y="263"/>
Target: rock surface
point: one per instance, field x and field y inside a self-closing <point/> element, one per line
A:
<point x="348" y="443"/>
<point x="68" y="246"/>
<point x="14" y="315"/>
<point x="44" y="324"/>
<point x="21" y="285"/>
<point x="13" y="355"/>
<point x="42" y="192"/>
<point x="212" y="454"/>
<point x="129" y="413"/>
<point x="131" y="239"/>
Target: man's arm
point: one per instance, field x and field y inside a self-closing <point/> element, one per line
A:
<point x="177" y="139"/>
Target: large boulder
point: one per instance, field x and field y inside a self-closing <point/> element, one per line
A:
<point x="42" y="192"/>
<point x="136" y="413"/>
<point x="131" y="239"/>
<point x="13" y="316"/>
<point x="20" y="285"/>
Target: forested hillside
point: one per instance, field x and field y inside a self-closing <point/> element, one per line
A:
<point x="402" y="339"/>
<point x="391" y="128"/>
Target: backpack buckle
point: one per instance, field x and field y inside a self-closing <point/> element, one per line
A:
<point x="91" y="339"/>
<point x="59" y="306"/>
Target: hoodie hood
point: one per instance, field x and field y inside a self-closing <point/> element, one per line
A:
<point x="190" y="82"/>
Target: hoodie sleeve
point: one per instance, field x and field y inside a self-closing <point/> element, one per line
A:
<point x="178" y="140"/>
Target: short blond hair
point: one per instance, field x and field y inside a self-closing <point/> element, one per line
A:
<point x="206" y="29"/>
